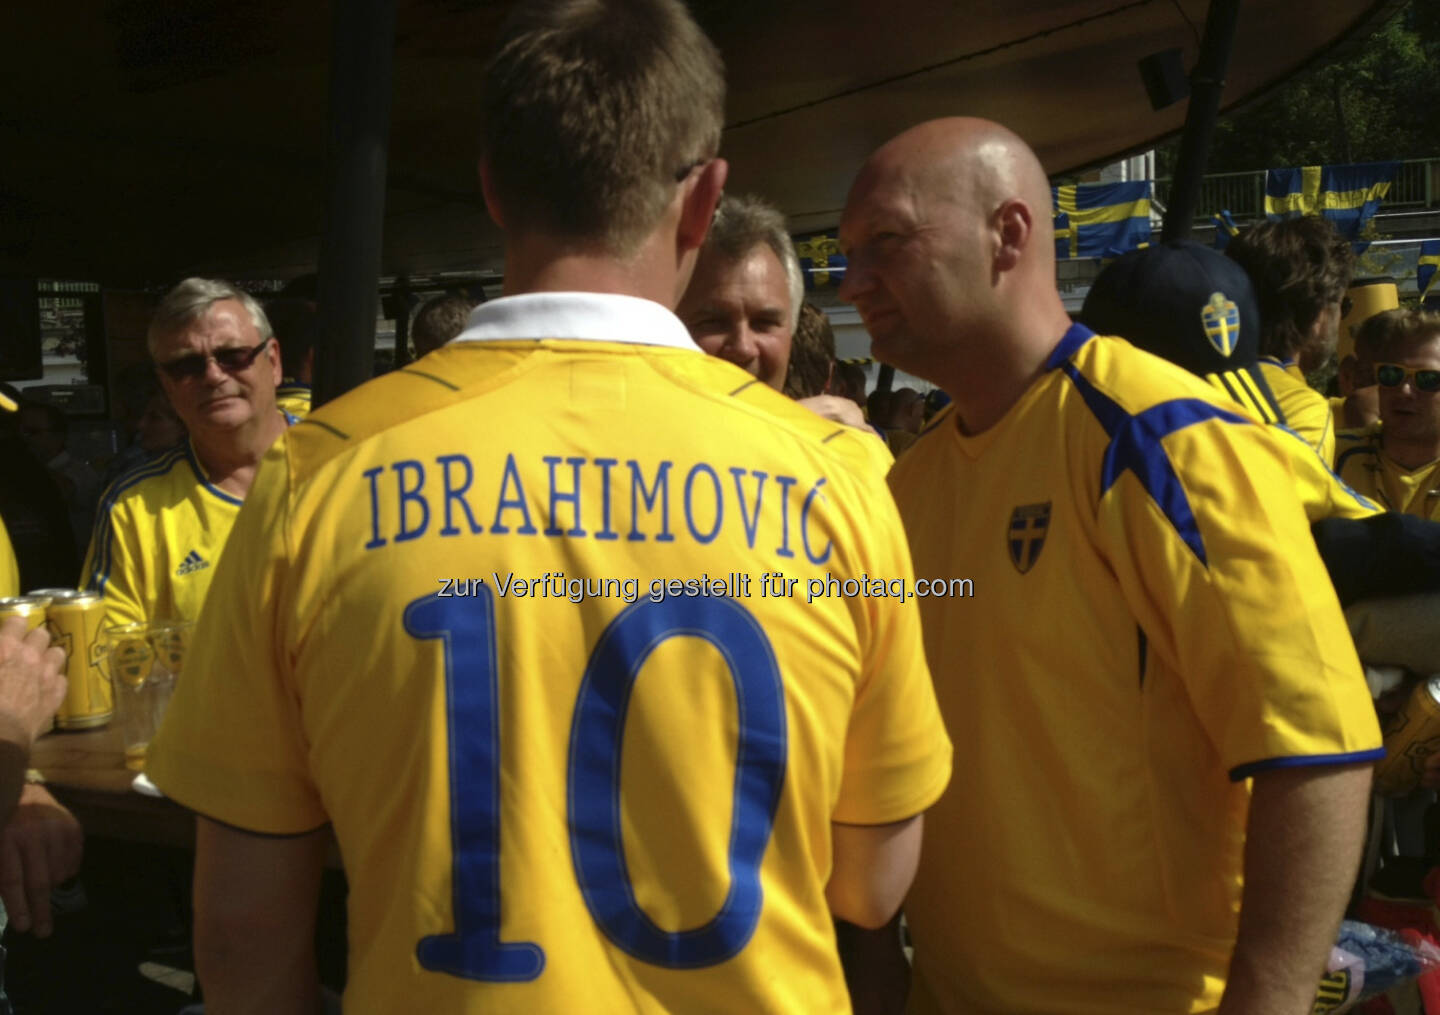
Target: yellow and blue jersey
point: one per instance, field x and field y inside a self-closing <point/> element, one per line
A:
<point x="1307" y="412"/>
<point x="1323" y="494"/>
<point x="158" y="534"/>
<point x="9" y="567"/>
<point x="527" y="623"/>
<point x="1151" y="626"/>
<point x="1363" y="464"/>
<point x="293" y="398"/>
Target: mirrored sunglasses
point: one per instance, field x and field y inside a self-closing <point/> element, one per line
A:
<point x="1392" y="375"/>
<point x="232" y="361"/>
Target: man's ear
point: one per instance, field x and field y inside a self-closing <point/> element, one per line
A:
<point x="487" y="188"/>
<point x="274" y="353"/>
<point x="1014" y="227"/>
<point x="700" y="196"/>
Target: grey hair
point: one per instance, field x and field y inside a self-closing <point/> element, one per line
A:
<point x="192" y="299"/>
<point x="744" y="222"/>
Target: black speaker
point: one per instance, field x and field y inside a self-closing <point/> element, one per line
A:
<point x="1164" y="77"/>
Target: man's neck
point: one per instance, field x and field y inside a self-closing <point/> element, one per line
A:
<point x="985" y="381"/>
<point x="1409" y="455"/>
<point x="536" y="264"/>
<point x="230" y="458"/>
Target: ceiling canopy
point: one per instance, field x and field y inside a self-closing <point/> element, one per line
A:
<point x="147" y="139"/>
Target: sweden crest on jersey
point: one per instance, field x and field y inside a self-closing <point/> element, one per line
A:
<point x="1221" y="319"/>
<point x="1025" y="537"/>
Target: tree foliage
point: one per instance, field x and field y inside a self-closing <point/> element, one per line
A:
<point x="1380" y="100"/>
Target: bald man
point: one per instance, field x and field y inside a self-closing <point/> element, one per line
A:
<point x="1164" y="730"/>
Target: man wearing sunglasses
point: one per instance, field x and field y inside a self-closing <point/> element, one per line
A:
<point x="1398" y="464"/>
<point x="160" y="527"/>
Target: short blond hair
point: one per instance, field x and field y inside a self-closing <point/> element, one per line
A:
<point x="592" y="110"/>
<point x="1388" y="332"/>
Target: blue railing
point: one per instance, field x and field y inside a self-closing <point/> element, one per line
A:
<point x="1416" y="186"/>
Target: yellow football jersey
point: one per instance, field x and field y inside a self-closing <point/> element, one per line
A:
<point x="543" y="629"/>
<point x="158" y="534"/>
<point x="876" y="452"/>
<point x="1323" y="494"/>
<point x="293" y="398"/>
<point x="9" y="567"/>
<point x="1365" y="466"/>
<point x="1307" y="412"/>
<point x="1151" y="625"/>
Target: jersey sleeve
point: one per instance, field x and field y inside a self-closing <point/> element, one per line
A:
<point x="232" y="746"/>
<point x="1322" y="493"/>
<point x="1325" y="447"/>
<point x="897" y="753"/>
<point x="115" y="565"/>
<point x="1213" y="550"/>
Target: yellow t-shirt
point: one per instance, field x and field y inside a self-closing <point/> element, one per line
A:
<point x="549" y="798"/>
<point x="1365" y="466"/>
<point x="1150" y="625"/>
<point x="1323" y="494"/>
<point x="9" y="567"/>
<point x="293" y="398"/>
<point x="158" y="534"/>
<point x="1307" y="412"/>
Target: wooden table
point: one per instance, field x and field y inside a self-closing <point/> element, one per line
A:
<point x="85" y="770"/>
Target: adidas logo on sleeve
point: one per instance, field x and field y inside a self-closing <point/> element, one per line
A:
<point x="193" y="562"/>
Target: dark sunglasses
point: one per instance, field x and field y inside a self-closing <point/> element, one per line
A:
<point x="1392" y="375"/>
<point x="231" y="360"/>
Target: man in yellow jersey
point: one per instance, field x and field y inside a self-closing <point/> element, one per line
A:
<point x="1156" y="694"/>
<point x="296" y="325"/>
<point x="507" y="620"/>
<point x="744" y="303"/>
<point x="1195" y="307"/>
<point x="1356" y="407"/>
<point x="161" y="526"/>
<point x="1399" y="464"/>
<point x="1300" y="268"/>
<point x="9" y="567"/>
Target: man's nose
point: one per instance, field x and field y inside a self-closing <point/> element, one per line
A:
<point x="855" y="281"/>
<point x="741" y="345"/>
<point x="215" y="374"/>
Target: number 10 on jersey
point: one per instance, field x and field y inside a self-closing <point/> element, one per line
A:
<point x="466" y="629"/>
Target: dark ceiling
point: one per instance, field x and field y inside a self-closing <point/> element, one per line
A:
<point x="144" y="139"/>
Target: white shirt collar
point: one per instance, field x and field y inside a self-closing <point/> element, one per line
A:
<point x="598" y="317"/>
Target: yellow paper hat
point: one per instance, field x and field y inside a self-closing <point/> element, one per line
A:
<point x="1366" y="298"/>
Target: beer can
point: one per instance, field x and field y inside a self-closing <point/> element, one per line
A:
<point x="77" y="621"/>
<point x="1411" y="735"/>
<point x="32" y="608"/>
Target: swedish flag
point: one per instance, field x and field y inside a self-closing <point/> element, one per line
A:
<point x="1426" y="279"/>
<point x="1101" y="219"/>
<point x="1346" y="195"/>
<point x="1225" y="229"/>
<point x="820" y="260"/>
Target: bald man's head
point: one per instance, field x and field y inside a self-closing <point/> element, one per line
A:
<point x="948" y="230"/>
<point x="964" y="158"/>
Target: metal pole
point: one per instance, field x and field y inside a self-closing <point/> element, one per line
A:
<point x="1207" y="82"/>
<point x="401" y="297"/>
<point x="361" y="58"/>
